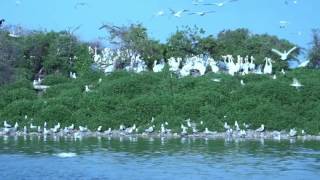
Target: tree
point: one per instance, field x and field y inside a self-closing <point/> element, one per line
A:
<point x="135" y="41"/>
<point x="314" y="53"/>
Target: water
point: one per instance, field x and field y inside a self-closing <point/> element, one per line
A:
<point x="154" y="158"/>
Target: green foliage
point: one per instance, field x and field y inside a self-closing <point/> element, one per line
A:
<point x="127" y="98"/>
<point x="314" y="53"/>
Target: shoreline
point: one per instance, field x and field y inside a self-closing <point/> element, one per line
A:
<point x="251" y="135"/>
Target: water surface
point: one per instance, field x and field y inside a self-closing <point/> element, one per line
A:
<point x="156" y="158"/>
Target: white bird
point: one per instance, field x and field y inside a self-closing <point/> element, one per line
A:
<point x="201" y="13"/>
<point x="45" y="124"/>
<point x="99" y="129"/>
<point x="71" y="127"/>
<point x="109" y="131"/>
<point x="39" y="129"/>
<point x="177" y="14"/>
<point x="162" y="130"/>
<point x="159" y="13"/>
<point x="14" y="35"/>
<point x="150" y="129"/>
<point x="83" y="129"/>
<point x="122" y="127"/>
<point x="216" y="80"/>
<point x="207" y="132"/>
<point x="46" y="131"/>
<point x="25" y="130"/>
<point x="303" y="132"/>
<point x="130" y="130"/>
<point x="6" y="125"/>
<point x="87" y="88"/>
<point x="158" y="67"/>
<point x="283" y="24"/>
<point x="284" y="55"/>
<point x="242" y="133"/>
<point x="242" y="83"/>
<point x="226" y="126"/>
<point x="274" y="77"/>
<point x="304" y="64"/>
<point x="293" y="132"/>
<point x="16" y="126"/>
<point x="73" y="75"/>
<point x="283" y="72"/>
<point x="296" y="83"/>
<point x="260" y="129"/>
<point x="219" y="4"/>
<point x="237" y="125"/>
<point x="184" y="130"/>
<point x="32" y="126"/>
<point x="268" y="66"/>
<point x="100" y="80"/>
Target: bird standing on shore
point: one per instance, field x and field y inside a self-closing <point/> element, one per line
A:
<point x="260" y="129"/>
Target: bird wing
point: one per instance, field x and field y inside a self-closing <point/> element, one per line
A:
<point x="103" y="26"/>
<point x="172" y="11"/>
<point x="291" y="50"/>
<point x="206" y="12"/>
<point x="277" y="52"/>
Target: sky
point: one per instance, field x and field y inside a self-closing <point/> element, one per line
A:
<point x="259" y="16"/>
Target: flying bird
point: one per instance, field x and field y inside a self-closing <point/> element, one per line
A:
<point x="201" y="13"/>
<point x="159" y="13"/>
<point x="219" y="4"/>
<point x="284" y="55"/>
<point x="177" y="14"/>
<point x="283" y="24"/>
<point x="79" y="4"/>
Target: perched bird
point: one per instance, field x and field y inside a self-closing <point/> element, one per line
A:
<point x="83" y="129"/>
<point x="296" y="83"/>
<point x="207" y="132"/>
<point x="242" y="83"/>
<point x="237" y="125"/>
<point x="242" y="133"/>
<point x="284" y="55"/>
<point x="32" y="126"/>
<point x="122" y="127"/>
<point x="87" y="88"/>
<point x="260" y="129"/>
<point x="71" y="127"/>
<point x="109" y="131"/>
<point x="16" y="126"/>
<point x="293" y="132"/>
<point x="99" y="129"/>
<point x="150" y="129"/>
<point x="226" y="126"/>
<point x="6" y="125"/>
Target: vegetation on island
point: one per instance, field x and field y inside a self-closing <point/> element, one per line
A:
<point x="127" y="98"/>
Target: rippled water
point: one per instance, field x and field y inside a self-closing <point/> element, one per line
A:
<point x="152" y="158"/>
